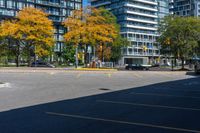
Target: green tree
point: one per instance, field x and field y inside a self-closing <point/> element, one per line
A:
<point x="4" y="51"/>
<point x="116" y="50"/>
<point x="69" y="53"/>
<point x="180" y="36"/>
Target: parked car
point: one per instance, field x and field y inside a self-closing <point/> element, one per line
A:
<point x="42" y="64"/>
<point x="137" y="67"/>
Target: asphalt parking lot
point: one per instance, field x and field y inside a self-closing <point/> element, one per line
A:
<point x="100" y="102"/>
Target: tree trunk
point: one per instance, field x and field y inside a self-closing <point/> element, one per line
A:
<point x="85" y="56"/>
<point x="94" y="52"/>
<point x="51" y="58"/>
<point x="182" y="63"/>
<point x="29" y="58"/>
<point x="102" y="52"/>
<point x="114" y="63"/>
<point x="17" y="60"/>
<point x="175" y="62"/>
<point x="76" y="63"/>
<point x="17" y="55"/>
<point x="60" y="60"/>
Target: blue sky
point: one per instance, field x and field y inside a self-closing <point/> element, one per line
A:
<point x="84" y="2"/>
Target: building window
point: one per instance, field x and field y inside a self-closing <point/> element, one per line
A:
<point x="2" y="3"/>
<point x="20" y="5"/>
<point x="10" y="4"/>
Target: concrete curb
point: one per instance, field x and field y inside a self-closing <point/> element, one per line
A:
<point x="21" y="70"/>
<point x="95" y="69"/>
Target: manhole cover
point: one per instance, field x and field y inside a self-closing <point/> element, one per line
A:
<point x="104" y="89"/>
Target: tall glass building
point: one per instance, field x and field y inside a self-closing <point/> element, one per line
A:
<point x="171" y="7"/>
<point x="58" y="10"/>
<point x="186" y="7"/>
<point x="139" y="24"/>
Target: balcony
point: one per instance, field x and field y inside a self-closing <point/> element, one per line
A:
<point x="6" y="12"/>
<point x="141" y="20"/>
<point x="143" y="54"/>
<point x="148" y="2"/>
<point x="47" y="3"/>
<point x="141" y="7"/>
<point x="141" y="27"/>
<point x="141" y="14"/>
<point x="101" y="4"/>
<point x="141" y="40"/>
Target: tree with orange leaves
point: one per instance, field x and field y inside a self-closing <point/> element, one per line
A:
<point x="10" y="39"/>
<point x="33" y="31"/>
<point x="91" y="27"/>
<point x="37" y="31"/>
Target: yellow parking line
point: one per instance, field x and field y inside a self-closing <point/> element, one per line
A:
<point x="122" y="122"/>
<point x="109" y="75"/>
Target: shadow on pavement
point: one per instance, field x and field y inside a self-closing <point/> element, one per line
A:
<point x="170" y="107"/>
<point x="192" y="74"/>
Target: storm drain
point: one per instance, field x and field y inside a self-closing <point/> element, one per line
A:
<point x="104" y="89"/>
<point x="1" y="83"/>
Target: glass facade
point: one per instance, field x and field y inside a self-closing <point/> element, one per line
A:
<point x="139" y="23"/>
<point x="186" y="7"/>
<point x="171" y="6"/>
<point x="58" y="10"/>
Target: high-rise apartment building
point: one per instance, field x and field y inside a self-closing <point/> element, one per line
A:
<point x="139" y="24"/>
<point x="163" y="8"/>
<point x="171" y="7"/>
<point x="186" y="7"/>
<point x="58" y="10"/>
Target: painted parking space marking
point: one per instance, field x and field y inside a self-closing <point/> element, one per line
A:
<point x="148" y="105"/>
<point x="172" y="89"/>
<point x="163" y="95"/>
<point x="122" y="122"/>
<point x="191" y="83"/>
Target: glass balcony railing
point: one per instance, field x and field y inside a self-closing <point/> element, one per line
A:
<point x="47" y="3"/>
